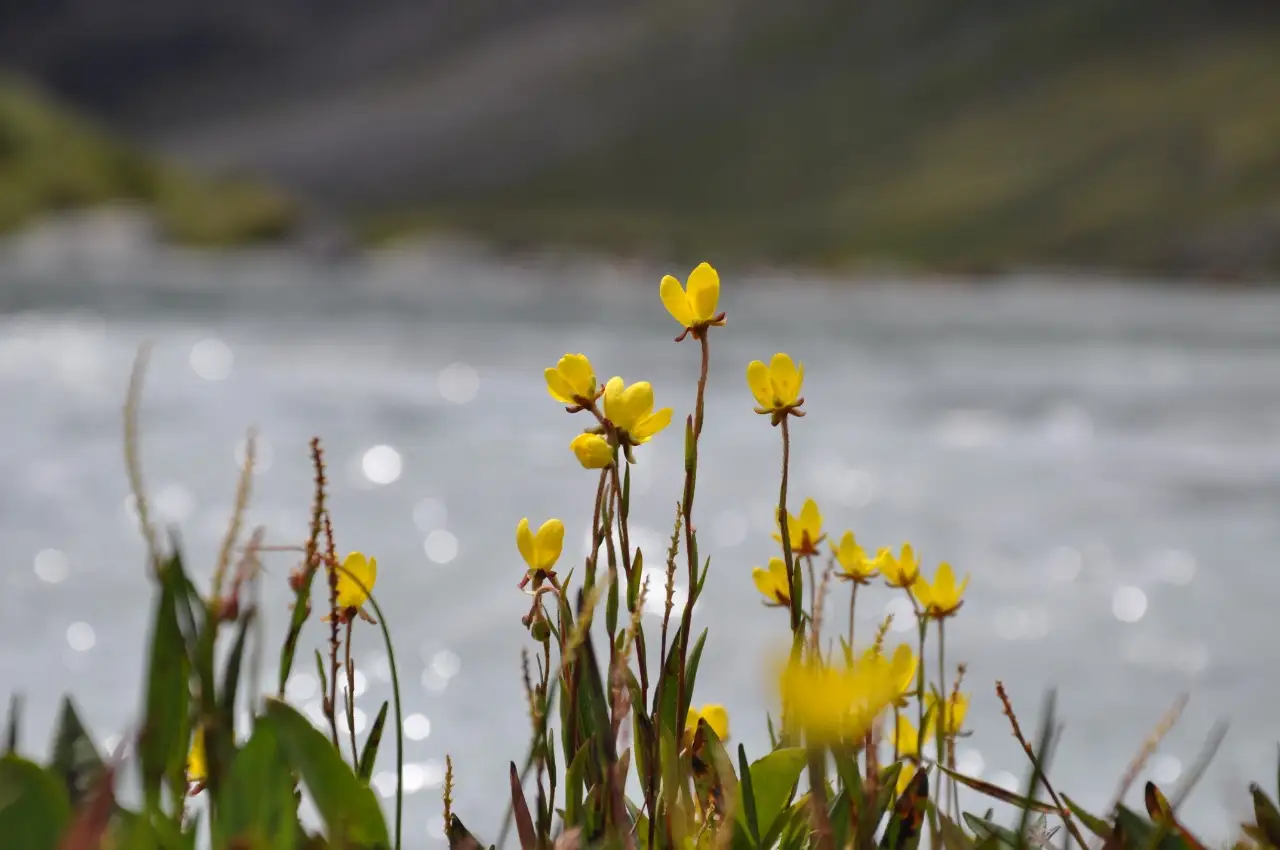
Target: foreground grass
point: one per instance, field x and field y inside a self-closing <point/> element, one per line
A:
<point x="51" y="160"/>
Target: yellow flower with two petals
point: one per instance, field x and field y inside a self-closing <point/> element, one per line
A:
<point x="540" y="551"/>
<point x="572" y="381"/>
<point x="804" y="530"/>
<point x="630" y="410"/>
<point x="942" y="597"/>
<point x="773" y="583"/>
<point x="776" y="387"/>
<point x="901" y="571"/>
<point x="854" y="565"/>
<point x="693" y="306"/>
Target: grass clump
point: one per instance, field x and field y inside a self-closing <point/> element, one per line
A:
<point x="622" y="752"/>
<point x="52" y="161"/>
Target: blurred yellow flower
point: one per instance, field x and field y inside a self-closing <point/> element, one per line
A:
<point x="197" y="766"/>
<point x="356" y="580"/>
<point x="773" y="582"/>
<point x="901" y="571"/>
<point x="694" y="306"/>
<point x="836" y="703"/>
<point x="572" y="380"/>
<point x="907" y="743"/>
<point x="592" y="450"/>
<point x="942" y="597"/>
<point x="630" y="409"/>
<point x="715" y="715"/>
<point x="777" y="386"/>
<point x="540" y="551"/>
<point x="805" y="530"/>
<point x="854" y="564"/>
<point x="953" y="717"/>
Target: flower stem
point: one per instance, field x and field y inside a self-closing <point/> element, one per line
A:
<point x="793" y="581"/>
<point x="943" y="708"/>
<point x="351" y="697"/>
<point x="853" y="602"/>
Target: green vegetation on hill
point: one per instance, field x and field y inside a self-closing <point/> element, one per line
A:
<point x="1141" y="135"/>
<point x="51" y="160"/>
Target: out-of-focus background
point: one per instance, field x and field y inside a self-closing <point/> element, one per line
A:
<point x="1009" y="240"/>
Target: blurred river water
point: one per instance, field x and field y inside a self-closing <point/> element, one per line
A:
<point x="1103" y="460"/>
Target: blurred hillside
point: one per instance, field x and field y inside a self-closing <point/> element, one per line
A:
<point x="1141" y="134"/>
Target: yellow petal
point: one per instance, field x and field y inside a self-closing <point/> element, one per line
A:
<point x="592" y="450"/>
<point x="612" y="391"/>
<point x="761" y="386"/>
<point x="778" y="569"/>
<point x="811" y="519"/>
<point x="355" y="580"/>
<point x="651" y="424"/>
<point x="786" y="380"/>
<point x="944" y="581"/>
<point x="635" y="403"/>
<point x="558" y="387"/>
<point x="576" y="369"/>
<point x="548" y="543"/>
<point x="704" y="292"/>
<point x="524" y="542"/>
<point x="197" y="769"/>
<point x="764" y="582"/>
<point x="718" y="719"/>
<point x="676" y="302"/>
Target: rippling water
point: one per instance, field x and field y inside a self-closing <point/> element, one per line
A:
<point x="1104" y="462"/>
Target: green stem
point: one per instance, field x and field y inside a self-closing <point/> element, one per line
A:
<point x="943" y="708"/>
<point x="853" y="602"/>
<point x="793" y="581"/>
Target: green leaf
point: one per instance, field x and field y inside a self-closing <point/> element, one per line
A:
<point x="257" y="803"/>
<point x="520" y="806"/>
<point x="162" y="745"/>
<point x="953" y="837"/>
<point x="611" y="608"/>
<point x="747" y="797"/>
<point x="573" y="786"/>
<point x="907" y="821"/>
<point x="773" y="783"/>
<point x="369" y="754"/>
<point x="1266" y="815"/>
<point x="349" y="807"/>
<point x="985" y="830"/>
<point x="11" y="724"/>
<point x="75" y="759"/>
<point x="998" y="793"/>
<point x="289" y="648"/>
<point x="231" y="672"/>
<point x="1093" y="823"/>
<point x="34" y="807"/>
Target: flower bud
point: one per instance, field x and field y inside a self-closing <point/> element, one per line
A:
<point x="541" y="630"/>
<point x="592" y="450"/>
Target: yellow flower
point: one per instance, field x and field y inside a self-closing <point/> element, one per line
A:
<point x="356" y="580"/>
<point x="773" y="582"/>
<point x="908" y="743"/>
<point x="953" y="717"/>
<point x="902" y="667"/>
<point x="593" y="451"/>
<point x="901" y="571"/>
<point x="630" y="409"/>
<point x="715" y="715"/>
<point x="943" y="597"/>
<point x="197" y="766"/>
<point x="572" y="381"/>
<point x="694" y="307"/>
<point x="776" y="386"/>
<point x="830" y="703"/>
<point x="540" y="551"/>
<point x="805" y="530"/>
<point x="854" y="564"/>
